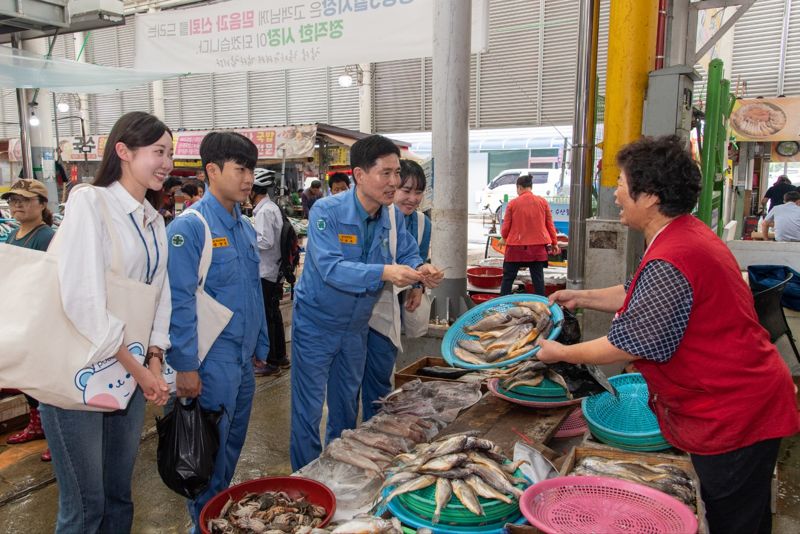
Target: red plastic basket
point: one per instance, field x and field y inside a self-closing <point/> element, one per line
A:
<point x="580" y="505"/>
<point x="574" y="425"/>
<point x="485" y="277"/>
<point x="480" y="298"/>
<point x="315" y="492"/>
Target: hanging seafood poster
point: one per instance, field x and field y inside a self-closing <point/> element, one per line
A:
<point x="766" y="119"/>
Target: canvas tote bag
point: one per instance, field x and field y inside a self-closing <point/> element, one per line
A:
<point x="415" y="324"/>
<point x="42" y="352"/>
<point x="212" y="317"/>
<point x="386" y="313"/>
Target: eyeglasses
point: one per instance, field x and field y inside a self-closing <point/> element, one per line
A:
<point x="19" y="201"/>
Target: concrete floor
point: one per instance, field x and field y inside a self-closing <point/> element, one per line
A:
<point x="158" y="509"/>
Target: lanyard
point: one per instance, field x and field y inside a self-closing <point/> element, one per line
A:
<point x="150" y="275"/>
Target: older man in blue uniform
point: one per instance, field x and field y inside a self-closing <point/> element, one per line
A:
<point x="348" y="259"/>
<point x="224" y="379"/>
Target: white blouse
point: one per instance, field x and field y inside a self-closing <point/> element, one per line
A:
<point x="84" y="249"/>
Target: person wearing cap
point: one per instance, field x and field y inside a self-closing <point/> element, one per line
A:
<point x="28" y="202"/>
<point x="268" y="224"/>
<point x="311" y="195"/>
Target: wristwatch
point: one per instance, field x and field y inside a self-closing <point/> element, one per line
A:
<point x="152" y="354"/>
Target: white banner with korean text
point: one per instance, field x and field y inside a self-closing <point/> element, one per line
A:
<point x="243" y="35"/>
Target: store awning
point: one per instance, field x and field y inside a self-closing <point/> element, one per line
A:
<point x="23" y="69"/>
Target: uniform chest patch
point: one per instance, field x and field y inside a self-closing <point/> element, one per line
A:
<point x="348" y="239"/>
<point x="218" y="242"/>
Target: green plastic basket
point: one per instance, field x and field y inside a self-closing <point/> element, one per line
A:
<point x="423" y="504"/>
<point x="530" y="398"/>
<point x="547" y="388"/>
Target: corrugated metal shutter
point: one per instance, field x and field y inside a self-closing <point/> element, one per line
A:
<point x="756" y="48"/>
<point x="560" y="62"/>
<point x="172" y="103"/>
<point x="105" y="109"/>
<point x="267" y="98"/>
<point x="197" y="100"/>
<point x="9" y="118"/>
<point x="308" y="95"/>
<point x="343" y="101"/>
<point x="508" y="78"/>
<point x="602" y="49"/>
<point x="473" y="91"/>
<point x="230" y="100"/>
<point x="397" y="93"/>
<point x="791" y="80"/>
<point x="138" y="98"/>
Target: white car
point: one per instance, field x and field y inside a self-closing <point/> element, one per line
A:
<point x="546" y="183"/>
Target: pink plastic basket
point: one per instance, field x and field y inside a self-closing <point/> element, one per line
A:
<point x="574" y="425"/>
<point x="578" y="505"/>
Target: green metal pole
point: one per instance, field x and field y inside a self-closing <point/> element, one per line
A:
<point x="710" y="138"/>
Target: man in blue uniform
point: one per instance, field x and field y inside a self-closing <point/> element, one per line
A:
<point x="348" y="259"/>
<point x="225" y="377"/>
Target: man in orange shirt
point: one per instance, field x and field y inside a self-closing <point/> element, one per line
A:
<point x="529" y="236"/>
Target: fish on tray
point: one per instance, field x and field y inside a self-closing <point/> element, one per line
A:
<point x="368" y="524"/>
<point x="501" y="336"/>
<point x="667" y="478"/>
<point x="460" y="465"/>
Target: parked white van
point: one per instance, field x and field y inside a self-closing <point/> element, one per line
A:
<point x="546" y="183"/>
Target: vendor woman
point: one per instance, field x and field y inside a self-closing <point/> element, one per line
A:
<point x="720" y="389"/>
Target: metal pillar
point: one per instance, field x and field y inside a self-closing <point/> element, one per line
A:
<point x="631" y="55"/>
<point x="43" y="153"/>
<point x="580" y="206"/>
<point x="451" y="49"/>
<point x="365" y="99"/>
<point x="24" y="126"/>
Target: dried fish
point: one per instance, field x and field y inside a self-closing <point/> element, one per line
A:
<point x="444" y="490"/>
<point x="467" y="497"/>
<point x="367" y="524"/>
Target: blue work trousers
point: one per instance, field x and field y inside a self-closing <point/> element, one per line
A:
<point x="323" y="360"/>
<point x="377" y="383"/>
<point x="227" y="386"/>
<point x="93" y="458"/>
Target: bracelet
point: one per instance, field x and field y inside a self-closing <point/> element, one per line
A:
<point x="157" y="355"/>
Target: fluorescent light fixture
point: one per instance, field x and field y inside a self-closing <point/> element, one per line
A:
<point x="345" y="80"/>
<point x="63" y="107"/>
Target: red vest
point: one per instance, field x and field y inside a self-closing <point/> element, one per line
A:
<point x="726" y="386"/>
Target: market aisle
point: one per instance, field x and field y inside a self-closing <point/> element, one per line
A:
<point x="158" y="509"/>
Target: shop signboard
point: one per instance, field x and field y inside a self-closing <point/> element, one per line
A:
<point x="766" y="119"/>
<point x="241" y="35"/>
<point x="291" y="142"/>
<point x="76" y="148"/>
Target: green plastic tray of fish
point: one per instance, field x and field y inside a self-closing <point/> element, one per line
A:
<point x="502" y="332"/>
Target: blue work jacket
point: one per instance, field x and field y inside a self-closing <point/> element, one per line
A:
<point x="341" y="281"/>
<point x="412" y="222"/>
<point x="232" y="281"/>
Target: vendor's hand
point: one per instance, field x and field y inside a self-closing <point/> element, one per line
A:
<point x="413" y="299"/>
<point x="501" y="241"/>
<point x="555" y="250"/>
<point x="188" y="384"/>
<point x="565" y="297"/>
<point x="400" y="275"/>
<point x="432" y="276"/>
<point x="551" y="351"/>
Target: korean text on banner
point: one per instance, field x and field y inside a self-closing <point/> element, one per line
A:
<point x="242" y="35"/>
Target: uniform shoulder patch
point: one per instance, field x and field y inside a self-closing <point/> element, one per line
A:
<point x="321" y="224"/>
<point x="177" y="240"/>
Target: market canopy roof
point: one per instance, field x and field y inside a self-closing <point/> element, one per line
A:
<point x="23" y="69"/>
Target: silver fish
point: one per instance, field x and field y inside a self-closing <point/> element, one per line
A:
<point x="484" y="490"/>
<point x="472" y="345"/>
<point x="497" y="480"/>
<point x="492" y="321"/>
<point x="467" y="356"/>
<point x="444" y="463"/>
<point x="412" y="485"/>
<point x="444" y="490"/>
<point x="467" y="497"/>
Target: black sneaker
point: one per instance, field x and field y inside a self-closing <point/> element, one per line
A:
<point x="265" y="369"/>
<point x="284" y="364"/>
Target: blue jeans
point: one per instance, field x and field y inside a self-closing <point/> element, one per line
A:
<point x="228" y="386"/>
<point x="93" y="458"/>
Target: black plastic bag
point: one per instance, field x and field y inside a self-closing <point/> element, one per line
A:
<point x="188" y="441"/>
<point x="570" y="329"/>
